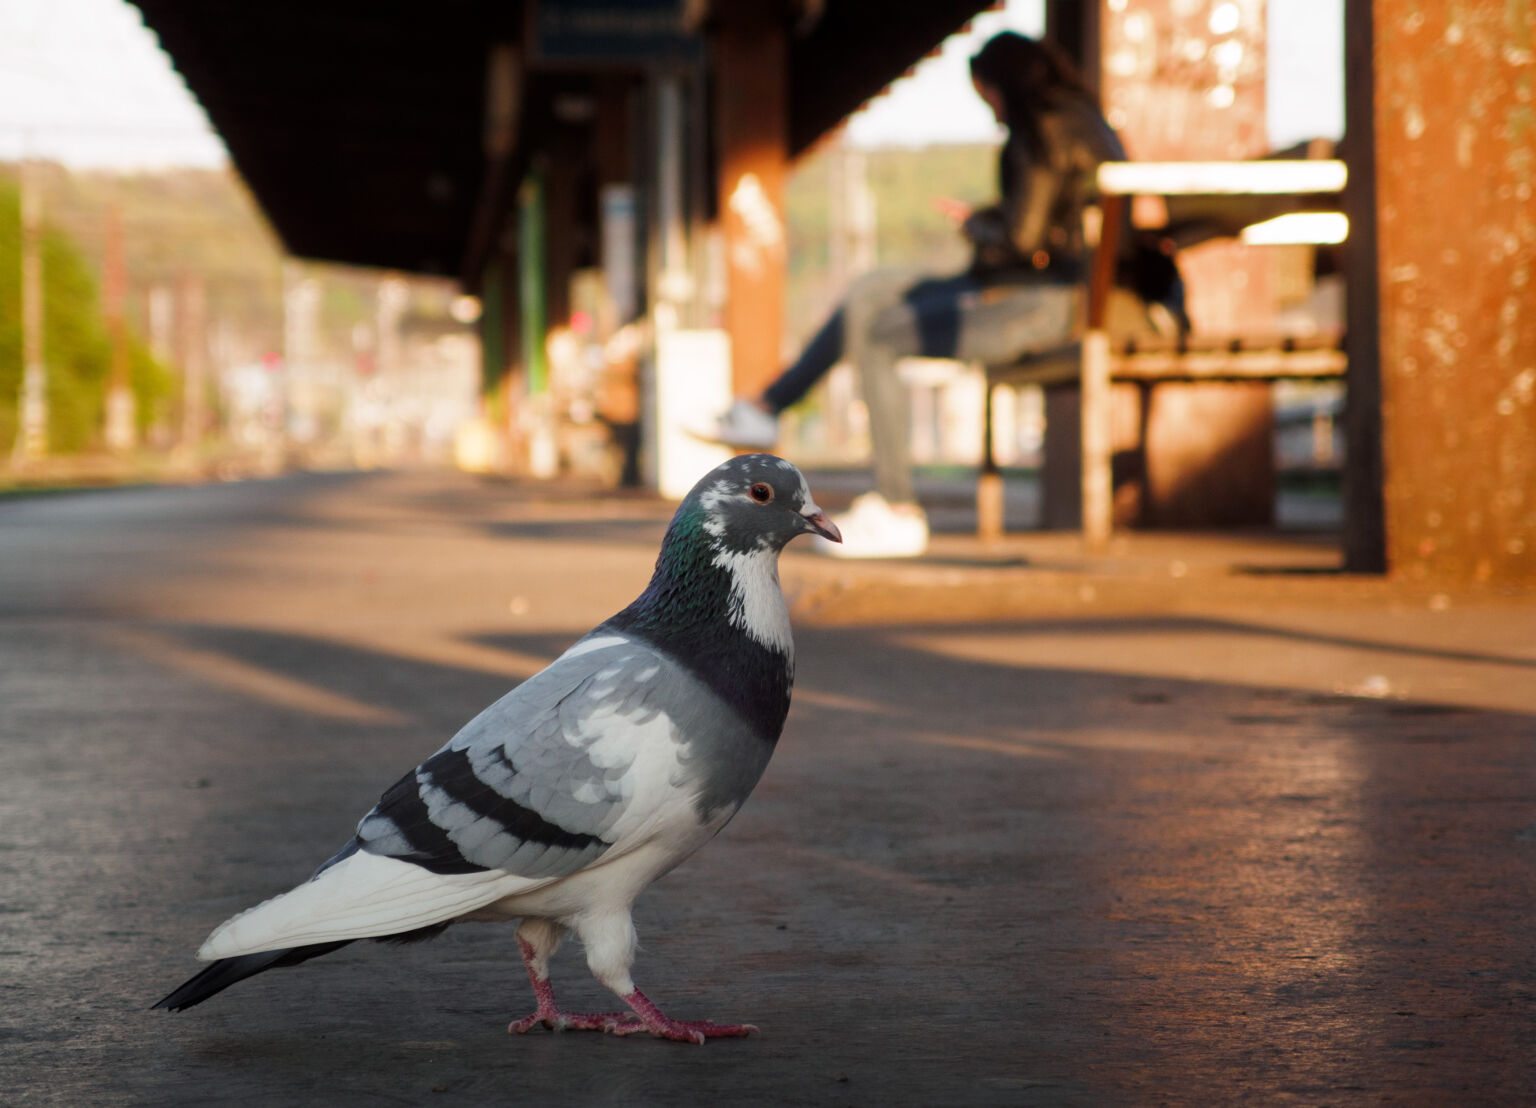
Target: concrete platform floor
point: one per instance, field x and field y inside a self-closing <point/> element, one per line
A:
<point x="1197" y="822"/>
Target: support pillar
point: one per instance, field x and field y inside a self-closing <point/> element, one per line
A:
<point x="1365" y="540"/>
<point x="750" y="44"/>
<point x="562" y="191"/>
<point x="1455" y="172"/>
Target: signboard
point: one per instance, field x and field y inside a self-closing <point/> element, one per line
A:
<point x="620" y="238"/>
<point x="611" y="33"/>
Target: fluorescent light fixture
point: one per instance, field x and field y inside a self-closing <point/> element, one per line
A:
<point x="1267" y="177"/>
<point x="1319" y="228"/>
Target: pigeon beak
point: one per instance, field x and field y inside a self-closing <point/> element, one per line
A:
<point x="819" y="523"/>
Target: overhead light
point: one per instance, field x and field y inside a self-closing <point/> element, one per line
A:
<point x="1273" y="176"/>
<point x="1317" y="228"/>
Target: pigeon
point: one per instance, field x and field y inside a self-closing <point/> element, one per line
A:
<point x="563" y="800"/>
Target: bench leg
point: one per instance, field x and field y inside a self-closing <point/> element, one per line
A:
<point x="989" y="507"/>
<point x="989" y="483"/>
<point x="1098" y="486"/>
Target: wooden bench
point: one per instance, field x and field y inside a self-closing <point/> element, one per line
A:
<point x="1099" y="359"/>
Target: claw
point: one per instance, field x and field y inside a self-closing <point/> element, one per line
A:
<point x="658" y="1023"/>
<point x="691" y="1031"/>
<point x="624" y="1024"/>
<point x="557" y="1020"/>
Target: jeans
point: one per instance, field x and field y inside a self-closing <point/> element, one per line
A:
<point x="893" y="314"/>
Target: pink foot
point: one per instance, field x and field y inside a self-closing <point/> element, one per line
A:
<point x="646" y="1016"/>
<point x="619" y="1023"/>
<point x="652" y="1019"/>
<point x="548" y="1013"/>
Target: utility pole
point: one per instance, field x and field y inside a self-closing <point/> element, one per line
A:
<point x="293" y="402"/>
<point x="120" y="425"/>
<point x="32" y="437"/>
<point x="194" y="346"/>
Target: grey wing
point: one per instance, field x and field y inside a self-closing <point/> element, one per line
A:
<point x="538" y="783"/>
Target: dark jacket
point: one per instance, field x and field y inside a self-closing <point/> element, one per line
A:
<point x="1038" y="226"/>
<point x="1040" y="218"/>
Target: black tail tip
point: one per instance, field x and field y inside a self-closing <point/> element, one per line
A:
<point x="216" y="977"/>
<point x="193" y="992"/>
<point x="220" y="975"/>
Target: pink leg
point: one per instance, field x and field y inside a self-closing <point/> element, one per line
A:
<point x="652" y="1019"/>
<point x="548" y="1013"/>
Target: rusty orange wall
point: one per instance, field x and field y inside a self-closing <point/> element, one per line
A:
<point x="1456" y="169"/>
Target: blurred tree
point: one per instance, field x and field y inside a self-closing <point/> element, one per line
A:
<point x="76" y="347"/>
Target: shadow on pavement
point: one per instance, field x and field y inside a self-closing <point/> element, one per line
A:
<point x="959" y="882"/>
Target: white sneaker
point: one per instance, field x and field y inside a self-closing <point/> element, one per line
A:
<point x="742" y="424"/>
<point x="875" y="528"/>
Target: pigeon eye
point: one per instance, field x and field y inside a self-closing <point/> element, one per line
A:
<point x="761" y="492"/>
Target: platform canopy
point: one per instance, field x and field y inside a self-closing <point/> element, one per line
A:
<point x="360" y="126"/>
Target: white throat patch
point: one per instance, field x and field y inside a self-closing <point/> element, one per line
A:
<point x="757" y="602"/>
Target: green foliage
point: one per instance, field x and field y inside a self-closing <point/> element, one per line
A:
<point x="76" y="349"/>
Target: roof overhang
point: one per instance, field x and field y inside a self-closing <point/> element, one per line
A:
<point x="361" y="127"/>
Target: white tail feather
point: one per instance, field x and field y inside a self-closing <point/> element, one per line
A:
<point x="363" y="896"/>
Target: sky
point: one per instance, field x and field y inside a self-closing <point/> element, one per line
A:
<point x="83" y="82"/>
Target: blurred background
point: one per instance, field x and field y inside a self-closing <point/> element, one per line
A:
<point x="164" y="282"/>
<point x="508" y="237"/>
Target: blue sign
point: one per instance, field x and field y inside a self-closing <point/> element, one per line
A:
<point x="612" y="32"/>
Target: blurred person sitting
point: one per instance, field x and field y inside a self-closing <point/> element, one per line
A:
<point x="1018" y="295"/>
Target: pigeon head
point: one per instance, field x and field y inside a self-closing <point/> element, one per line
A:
<point x="755" y="502"/>
<point x="714" y="601"/>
